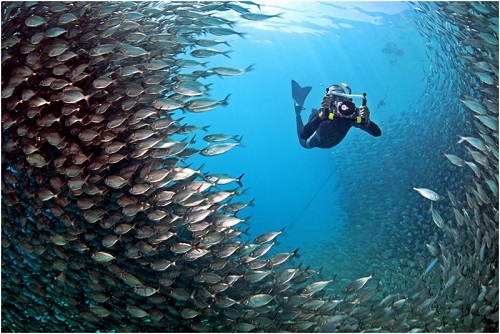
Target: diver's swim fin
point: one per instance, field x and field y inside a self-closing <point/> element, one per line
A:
<point x="299" y="94"/>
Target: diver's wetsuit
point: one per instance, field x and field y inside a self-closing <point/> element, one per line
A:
<point x="328" y="133"/>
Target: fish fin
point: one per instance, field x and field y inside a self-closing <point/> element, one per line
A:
<point x="299" y="94"/>
<point x="238" y="180"/>
<point x="238" y="142"/>
<point x="246" y="231"/>
<point x="318" y="272"/>
<point x="282" y="231"/>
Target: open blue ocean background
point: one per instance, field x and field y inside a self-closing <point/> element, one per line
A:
<point x="373" y="47"/>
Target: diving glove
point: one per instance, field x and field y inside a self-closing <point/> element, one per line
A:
<point x="325" y="105"/>
<point x="364" y="113"/>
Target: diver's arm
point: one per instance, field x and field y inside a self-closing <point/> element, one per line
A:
<point x="370" y="127"/>
<point x="310" y="127"/>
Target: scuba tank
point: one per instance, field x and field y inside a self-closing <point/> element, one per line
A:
<point x="345" y="108"/>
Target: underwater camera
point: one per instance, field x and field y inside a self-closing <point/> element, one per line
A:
<point x="345" y="108"/>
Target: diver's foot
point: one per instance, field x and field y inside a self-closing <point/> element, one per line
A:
<point x="298" y="109"/>
<point x="299" y="94"/>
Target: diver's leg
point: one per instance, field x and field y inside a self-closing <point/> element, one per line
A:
<point x="313" y="141"/>
<point x="300" y="126"/>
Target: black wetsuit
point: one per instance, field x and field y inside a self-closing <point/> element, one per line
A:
<point x="328" y="133"/>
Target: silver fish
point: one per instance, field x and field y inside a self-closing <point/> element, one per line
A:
<point x="218" y="137"/>
<point x="166" y="104"/>
<point x="258" y="17"/>
<point x="205" y="104"/>
<point x="35" y="21"/>
<point x="436" y="217"/>
<point x="475" y="105"/>
<point x="258" y="300"/>
<point x="457" y="161"/>
<point x="316" y="287"/>
<point x="357" y="284"/>
<point x="217" y="149"/>
<point x="268" y="236"/>
<point x="476" y="142"/>
<point x="102" y="256"/>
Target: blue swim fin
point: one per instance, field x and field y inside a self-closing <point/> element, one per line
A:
<point x="299" y="94"/>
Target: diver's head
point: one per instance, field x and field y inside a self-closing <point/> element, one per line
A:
<point x="336" y="89"/>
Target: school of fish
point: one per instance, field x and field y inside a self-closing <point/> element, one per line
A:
<point x="431" y="247"/>
<point x="106" y="225"/>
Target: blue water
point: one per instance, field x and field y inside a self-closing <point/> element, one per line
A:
<point x="316" y="44"/>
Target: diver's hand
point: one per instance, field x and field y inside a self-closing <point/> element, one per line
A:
<point x="326" y="102"/>
<point x="325" y="105"/>
<point x="364" y="112"/>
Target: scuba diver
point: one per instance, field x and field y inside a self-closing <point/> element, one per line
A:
<point x="328" y="126"/>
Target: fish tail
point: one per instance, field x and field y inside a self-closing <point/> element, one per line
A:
<point x="245" y="231"/>
<point x="238" y="180"/>
<point x="283" y="231"/>
<point x="240" y="192"/>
